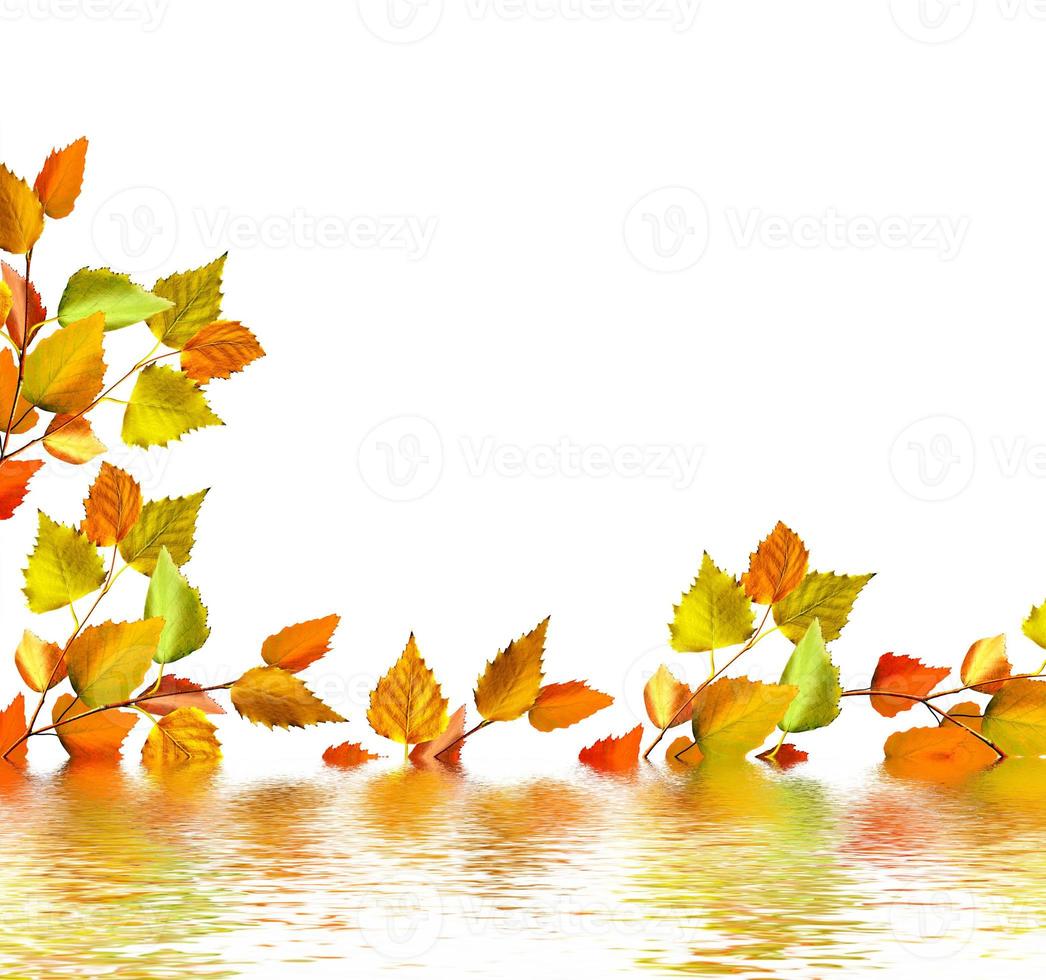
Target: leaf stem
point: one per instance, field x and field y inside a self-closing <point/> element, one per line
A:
<point x="461" y="738"/>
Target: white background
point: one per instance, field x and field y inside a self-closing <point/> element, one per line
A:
<point x="801" y="311"/>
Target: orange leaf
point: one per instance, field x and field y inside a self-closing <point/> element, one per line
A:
<point x="96" y="738"/>
<point x="25" y="416"/>
<point x="786" y="756"/>
<point x="563" y="705"/>
<point x="12" y="728"/>
<point x="177" y="692"/>
<point x="776" y="567"/>
<point x="424" y="753"/>
<point x="904" y="675"/>
<point x="295" y="647"/>
<point x="347" y="755"/>
<point x="688" y="753"/>
<point x="985" y="661"/>
<point x="928" y="752"/>
<point x="664" y="696"/>
<point x="112" y="507"/>
<point x="36" y="661"/>
<point x="614" y="754"/>
<point x="15" y="475"/>
<point x="16" y="318"/>
<point x="71" y="439"/>
<point x="967" y="713"/>
<point x="219" y="350"/>
<point x="21" y="214"/>
<point x="59" y="182"/>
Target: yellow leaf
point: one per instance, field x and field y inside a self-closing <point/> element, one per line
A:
<point x="106" y="663"/>
<point x="273" y="697"/>
<point x="185" y="735"/>
<point x="168" y="523"/>
<point x="776" y="567"/>
<point x="664" y="696"/>
<point x="985" y="661"/>
<point x="64" y="372"/>
<point x="733" y="715"/>
<point x="197" y="298"/>
<point x="112" y="507"/>
<point x="63" y="567"/>
<point x="715" y="613"/>
<point x="40" y="663"/>
<point x="1015" y="718"/>
<point x="510" y="685"/>
<point x="21" y="214"/>
<point x="6" y="302"/>
<point x="72" y="440"/>
<point x="24" y="416"/>
<point x="821" y="595"/>
<point x="407" y="706"/>
<point x="563" y="705"/>
<point x="97" y="738"/>
<point x="219" y="350"/>
<point x="164" y="406"/>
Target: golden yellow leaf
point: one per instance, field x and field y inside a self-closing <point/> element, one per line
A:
<point x="164" y="406"/>
<point x="408" y="706"/>
<point x="25" y="416"/>
<point x="734" y="715"/>
<point x="107" y="662"/>
<point x="21" y="214"/>
<point x="40" y="663"/>
<point x="274" y="698"/>
<point x="72" y="440"/>
<point x="63" y="567"/>
<point x="97" y="738"/>
<point x="58" y="184"/>
<point x="64" y="372"/>
<point x="985" y="661"/>
<point x="664" y="696"/>
<point x="219" y="350"/>
<point x="821" y="595"/>
<point x="1034" y="625"/>
<point x="112" y="507"/>
<point x="197" y="299"/>
<point x="776" y="567"/>
<point x="563" y="705"/>
<point x="715" y="613"/>
<point x="510" y="685"/>
<point x="185" y="735"/>
<point x="168" y="523"/>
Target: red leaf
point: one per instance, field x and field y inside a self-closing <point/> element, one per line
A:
<point x="614" y="754"/>
<point x="425" y="753"/>
<point x="12" y="728"/>
<point x="16" y="318"/>
<point x="181" y="693"/>
<point x="905" y="675"/>
<point x="347" y="755"/>
<point x="786" y="756"/>
<point x="15" y="475"/>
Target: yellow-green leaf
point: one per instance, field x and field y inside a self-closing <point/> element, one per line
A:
<point x="272" y="697"/>
<point x="1035" y="625"/>
<point x="715" y="613"/>
<point x="197" y="299"/>
<point x="122" y="302"/>
<point x="106" y="663"/>
<point x="63" y="567"/>
<point x="821" y="595"/>
<point x="1015" y="718"/>
<point x="810" y="669"/>
<point x="164" y="406"/>
<point x="184" y="735"/>
<point x="733" y="715"/>
<point x="168" y="523"/>
<point x="510" y="685"/>
<point x="64" y="372"/>
<point x="171" y="597"/>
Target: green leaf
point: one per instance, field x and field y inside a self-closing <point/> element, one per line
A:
<point x="197" y="301"/>
<point x="715" y="613"/>
<point x="1015" y="718"/>
<point x="164" y="406"/>
<point x="811" y="670"/>
<point x="1035" y="625"/>
<point x="63" y="567"/>
<point x="821" y="595"/>
<point x="185" y="617"/>
<point x="168" y="523"/>
<point x="112" y="293"/>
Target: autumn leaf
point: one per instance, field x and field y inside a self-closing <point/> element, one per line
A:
<point x="925" y="752"/>
<point x="295" y="647"/>
<point x="407" y="706"/>
<point x="1034" y="626"/>
<point x="985" y="661"/>
<point x="168" y="523"/>
<point x="614" y="754"/>
<point x="6" y="301"/>
<point x="811" y="670"/>
<point x="510" y="684"/>
<point x="563" y="705"/>
<point x="107" y="662"/>
<point x="1015" y="718"/>
<point x="447" y="746"/>
<point x="733" y="715"/>
<point x="966" y="714"/>
<point x="72" y="440"/>
<point x="185" y="735"/>
<point x="821" y="595"/>
<point x="58" y="183"/>
<point x="15" y="475"/>
<point x="40" y="663"/>
<point x="275" y="698"/>
<point x="219" y="350"/>
<point x="197" y="300"/>
<point x="682" y="754"/>
<point x="173" y="599"/>
<point x="347" y="755"/>
<point x="24" y="417"/>
<point x="164" y="406"/>
<point x="776" y="567"/>
<point x="664" y="696"/>
<point x="177" y="692"/>
<point x="64" y="567"/>
<point x="97" y="738"/>
<point x="715" y="613"/>
<point x="16" y="325"/>
<point x="21" y="214"/>
<point x="786" y="756"/>
<point x="112" y="507"/>
<point x="12" y="728"/>
<point x="120" y="301"/>
<point x="64" y="372"/>
<point x="903" y="675"/>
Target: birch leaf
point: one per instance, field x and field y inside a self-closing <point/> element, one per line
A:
<point x="614" y="754"/>
<point x="40" y="663"/>
<point x="107" y="662"/>
<point x="15" y="475"/>
<point x="985" y="661"/>
<point x="184" y="736"/>
<point x="1015" y="718"/>
<point x="219" y="350"/>
<point x="510" y="684"/>
<point x="64" y="567"/>
<point x="16" y="324"/>
<point x="196" y="296"/>
<point x="112" y="507"/>
<point x="903" y="675"/>
<point x="348" y="755"/>
<point x="172" y="598"/>
<point x="58" y="183"/>
<point x="21" y="214"/>
<point x="563" y="705"/>
<point x="715" y="613"/>
<point x="275" y="698"/>
<point x="64" y="372"/>
<point x="407" y="705"/>
<point x="12" y="727"/>
<point x="664" y="695"/>
<point x="1034" y="626"/>
<point x="168" y="523"/>
<point x="177" y="692"/>
<point x="24" y="416"/>
<point x="98" y="737"/>
<point x="776" y="567"/>
<point x="164" y="406"/>
<point x="821" y="595"/>
<point x="112" y="294"/>
<point x="295" y="647"/>
<point x="72" y="440"/>
<point x="425" y="753"/>
<point x="733" y="715"/>
<point x="811" y="670"/>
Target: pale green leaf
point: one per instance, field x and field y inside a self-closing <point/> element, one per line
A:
<point x="811" y="670"/>
<point x="111" y="293"/>
<point x="185" y="617"/>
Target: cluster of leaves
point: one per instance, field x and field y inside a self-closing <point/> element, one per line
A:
<point x="52" y="379"/>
